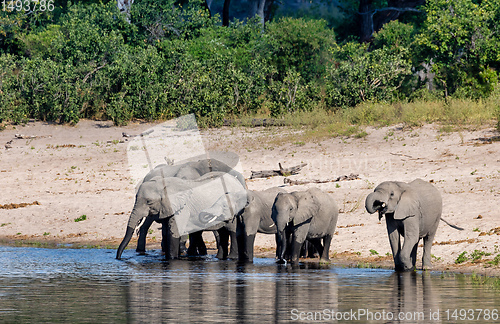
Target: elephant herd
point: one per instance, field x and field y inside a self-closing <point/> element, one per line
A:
<point x="209" y="195"/>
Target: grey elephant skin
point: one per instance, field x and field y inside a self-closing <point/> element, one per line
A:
<point x="255" y="218"/>
<point x="412" y="210"/>
<point x="232" y="203"/>
<point x="161" y="198"/>
<point x="301" y="215"/>
<point x="191" y="170"/>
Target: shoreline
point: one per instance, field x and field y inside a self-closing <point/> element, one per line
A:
<point x="342" y="259"/>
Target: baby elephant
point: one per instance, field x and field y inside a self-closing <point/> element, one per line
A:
<point x="412" y="210"/>
<point x="301" y="215"/>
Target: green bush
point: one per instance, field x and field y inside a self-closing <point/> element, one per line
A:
<point x="86" y="60"/>
<point x="459" y="39"/>
<point x="358" y="75"/>
<point x="161" y="20"/>
<point x="396" y="36"/>
<point x="48" y="89"/>
<point x="12" y="107"/>
<point x="299" y="44"/>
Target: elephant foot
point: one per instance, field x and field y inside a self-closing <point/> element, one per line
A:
<point x="399" y="268"/>
<point x="402" y="268"/>
<point x="244" y="261"/>
<point x="141" y="252"/>
<point x="280" y="261"/>
<point x="233" y="255"/>
<point x="426" y="267"/>
<point x="220" y="256"/>
<point x="324" y="259"/>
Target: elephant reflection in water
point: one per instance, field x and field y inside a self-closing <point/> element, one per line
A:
<point x="413" y="295"/>
<point x="225" y="292"/>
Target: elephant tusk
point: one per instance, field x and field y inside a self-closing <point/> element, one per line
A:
<point x="271" y="225"/>
<point x="383" y="205"/>
<point x="138" y="227"/>
<point x="213" y="218"/>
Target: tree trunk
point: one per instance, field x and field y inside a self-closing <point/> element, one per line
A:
<point x="225" y="13"/>
<point x="124" y="7"/>
<point x="260" y="10"/>
<point x="372" y="20"/>
<point x="365" y="20"/>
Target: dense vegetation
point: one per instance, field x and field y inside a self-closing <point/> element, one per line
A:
<point x="86" y="60"/>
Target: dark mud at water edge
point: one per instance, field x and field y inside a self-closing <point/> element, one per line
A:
<point x="90" y="286"/>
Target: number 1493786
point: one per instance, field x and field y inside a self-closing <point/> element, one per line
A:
<point x="27" y="5"/>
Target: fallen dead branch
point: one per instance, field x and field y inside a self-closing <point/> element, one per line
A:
<point x="281" y="172"/>
<point x="14" y="206"/>
<point x="450" y="242"/>
<point x="20" y="136"/>
<point x="141" y="134"/>
<point x="350" y="177"/>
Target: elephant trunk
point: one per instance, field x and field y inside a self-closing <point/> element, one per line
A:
<point x="128" y="235"/>
<point x="133" y="222"/>
<point x="374" y="202"/>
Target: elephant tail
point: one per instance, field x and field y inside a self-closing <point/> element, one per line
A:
<point x="454" y="226"/>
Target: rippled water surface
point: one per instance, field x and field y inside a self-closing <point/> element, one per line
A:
<point x="90" y="286"/>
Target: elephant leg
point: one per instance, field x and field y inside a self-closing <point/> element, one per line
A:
<point x="233" y="251"/>
<point x="222" y="246"/>
<point x="395" y="240"/>
<point x="413" y="255"/>
<point x="245" y="247"/>
<point x="202" y="248"/>
<point x="312" y="250"/>
<point x="325" y="254"/>
<point x="281" y="244"/>
<point x="288" y="244"/>
<point x="315" y="247"/>
<point x="170" y="231"/>
<point x="426" y="257"/>
<point x="244" y="241"/>
<point x="196" y="244"/>
<point x="192" y="250"/>
<point x="304" y="249"/>
<point x="298" y="239"/>
<point x="296" y="246"/>
<point x="408" y="252"/>
<point x="143" y="232"/>
<point x="217" y="241"/>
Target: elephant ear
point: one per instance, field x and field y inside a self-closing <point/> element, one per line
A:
<point x="407" y="206"/>
<point x="307" y="207"/>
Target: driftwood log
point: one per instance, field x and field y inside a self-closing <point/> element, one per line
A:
<point x="281" y="172"/>
<point x="350" y="177"/>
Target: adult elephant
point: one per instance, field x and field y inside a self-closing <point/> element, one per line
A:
<point x="180" y="203"/>
<point x="412" y="210"/>
<point x="254" y="218"/>
<point x="301" y="215"/>
<point x="191" y="170"/>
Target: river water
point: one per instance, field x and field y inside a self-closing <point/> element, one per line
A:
<point x="89" y="286"/>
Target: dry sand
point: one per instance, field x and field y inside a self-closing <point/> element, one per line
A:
<point x="69" y="171"/>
